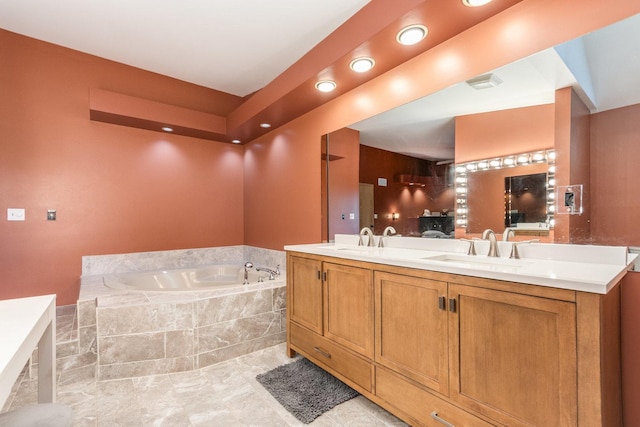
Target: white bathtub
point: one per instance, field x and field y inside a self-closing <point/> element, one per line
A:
<point x="197" y="278"/>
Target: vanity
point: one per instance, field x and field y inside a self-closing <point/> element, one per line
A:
<point x="438" y="337"/>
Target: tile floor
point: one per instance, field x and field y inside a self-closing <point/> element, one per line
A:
<point x="226" y="394"/>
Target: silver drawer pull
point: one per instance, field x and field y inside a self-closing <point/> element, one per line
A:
<point x="322" y="352"/>
<point x="435" y="416"/>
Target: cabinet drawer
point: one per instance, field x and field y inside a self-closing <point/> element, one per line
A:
<point x="419" y="404"/>
<point x="332" y="356"/>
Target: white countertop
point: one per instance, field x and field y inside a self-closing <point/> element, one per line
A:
<point x="24" y="324"/>
<point x="585" y="268"/>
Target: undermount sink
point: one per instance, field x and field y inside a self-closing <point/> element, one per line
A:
<point x="357" y="249"/>
<point x="482" y="262"/>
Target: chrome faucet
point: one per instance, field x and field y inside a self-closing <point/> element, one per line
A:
<point x="247" y="266"/>
<point x="489" y="235"/>
<point x="472" y="246"/>
<point x="508" y="232"/>
<point x="514" y="247"/>
<point x="366" y="231"/>
<point x="272" y="273"/>
<point x="389" y="231"/>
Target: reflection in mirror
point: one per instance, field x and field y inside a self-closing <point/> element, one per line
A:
<point x="568" y="98"/>
<point x="512" y="191"/>
<point x="525" y="199"/>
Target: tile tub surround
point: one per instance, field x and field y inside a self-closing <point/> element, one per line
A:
<point x="181" y="258"/>
<point x="139" y="333"/>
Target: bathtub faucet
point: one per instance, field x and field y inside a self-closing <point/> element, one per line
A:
<point x="272" y="273"/>
<point x="247" y="266"/>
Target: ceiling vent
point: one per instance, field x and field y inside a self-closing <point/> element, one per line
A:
<point x="484" y="81"/>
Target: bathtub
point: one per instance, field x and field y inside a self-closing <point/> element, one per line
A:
<point x="197" y="278"/>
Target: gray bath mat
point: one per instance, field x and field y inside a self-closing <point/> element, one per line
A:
<point x="305" y="390"/>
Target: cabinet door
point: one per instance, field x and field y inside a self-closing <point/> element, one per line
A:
<point x="348" y="311"/>
<point x="305" y="292"/>
<point x="513" y="357"/>
<point x="411" y="328"/>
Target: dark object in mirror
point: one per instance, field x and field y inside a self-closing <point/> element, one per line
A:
<point x="525" y="199"/>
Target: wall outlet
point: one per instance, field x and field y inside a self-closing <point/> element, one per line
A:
<point x="14" y="214"/>
<point x="51" y="215"/>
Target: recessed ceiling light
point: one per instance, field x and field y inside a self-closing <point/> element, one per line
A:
<point x="167" y="129"/>
<point x="326" y="85"/>
<point x="265" y="125"/>
<point x="475" y="3"/>
<point x="412" y="34"/>
<point x="235" y="141"/>
<point x="361" y="65"/>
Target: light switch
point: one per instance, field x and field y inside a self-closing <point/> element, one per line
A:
<point x="14" y="214"/>
<point x="352" y="216"/>
<point x="51" y="215"/>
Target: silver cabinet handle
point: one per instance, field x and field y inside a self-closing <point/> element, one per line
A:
<point x="435" y="416"/>
<point x="322" y="352"/>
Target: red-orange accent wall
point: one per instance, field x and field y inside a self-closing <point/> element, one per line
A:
<point x="115" y="189"/>
<point x="615" y="197"/>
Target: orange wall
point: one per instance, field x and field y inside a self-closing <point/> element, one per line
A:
<point x="344" y="147"/>
<point x="572" y="123"/>
<point x="116" y="189"/>
<point x="499" y="133"/>
<point x="614" y="184"/>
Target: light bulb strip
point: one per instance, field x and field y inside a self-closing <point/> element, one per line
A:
<point x="463" y="170"/>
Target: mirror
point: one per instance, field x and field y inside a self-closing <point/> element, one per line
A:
<point x="428" y="130"/>
<point x="525" y="199"/>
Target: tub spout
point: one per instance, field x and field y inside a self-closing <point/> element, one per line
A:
<point x="247" y="266"/>
<point x="272" y="273"/>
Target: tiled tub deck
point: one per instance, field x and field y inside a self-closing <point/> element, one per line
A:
<point x="137" y="333"/>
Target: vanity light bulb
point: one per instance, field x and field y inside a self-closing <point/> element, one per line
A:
<point x="552" y="196"/>
<point x="483" y="165"/>
<point x="461" y="190"/>
<point x="538" y="157"/>
<point x="471" y="167"/>
<point x="494" y="163"/>
<point x="461" y="179"/>
<point x="552" y="208"/>
<point x="508" y="161"/>
<point x="552" y="169"/>
<point x="552" y="181"/>
<point x="460" y="169"/>
<point x="552" y="155"/>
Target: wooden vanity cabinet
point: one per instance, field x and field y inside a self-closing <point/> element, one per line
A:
<point x="513" y="356"/>
<point x="462" y="350"/>
<point x="330" y="317"/>
<point x="411" y="328"/>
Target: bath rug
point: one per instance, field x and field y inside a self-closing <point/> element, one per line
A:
<point x="305" y="390"/>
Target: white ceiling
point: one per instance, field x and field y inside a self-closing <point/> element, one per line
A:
<point x="235" y="46"/>
<point x="603" y="67"/>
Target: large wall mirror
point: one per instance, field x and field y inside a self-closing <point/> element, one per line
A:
<point x="406" y="158"/>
